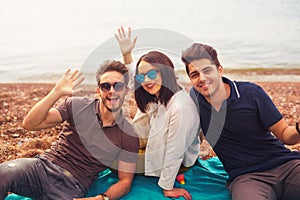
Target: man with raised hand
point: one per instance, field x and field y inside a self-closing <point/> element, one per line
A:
<point x="95" y="134"/>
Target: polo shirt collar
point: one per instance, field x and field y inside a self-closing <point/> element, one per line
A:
<point x="234" y="92"/>
<point x="119" y="118"/>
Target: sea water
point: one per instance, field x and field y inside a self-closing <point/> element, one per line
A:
<point x="39" y="40"/>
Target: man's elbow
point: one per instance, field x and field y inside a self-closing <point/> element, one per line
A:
<point x="127" y="189"/>
<point x="27" y="125"/>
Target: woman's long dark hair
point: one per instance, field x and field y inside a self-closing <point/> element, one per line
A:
<point x="169" y="82"/>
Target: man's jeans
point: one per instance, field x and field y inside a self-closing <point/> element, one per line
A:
<point x="39" y="179"/>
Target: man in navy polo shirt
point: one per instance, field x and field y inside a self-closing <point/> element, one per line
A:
<point x="245" y="129"/>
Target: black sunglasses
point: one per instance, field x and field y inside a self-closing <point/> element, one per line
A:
<point x="118" y="86"/>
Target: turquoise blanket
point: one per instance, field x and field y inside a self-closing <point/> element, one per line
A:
<point x="206" y="180"/>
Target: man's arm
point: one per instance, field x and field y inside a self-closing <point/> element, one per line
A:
<point x="42" y="115"/>
<point x="122" y="187"/>
<point x="287" y="134"/>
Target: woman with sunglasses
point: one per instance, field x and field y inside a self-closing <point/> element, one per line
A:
<point x="167" y="109"/>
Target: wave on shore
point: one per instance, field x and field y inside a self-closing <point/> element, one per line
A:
<point x="249" y="74"/>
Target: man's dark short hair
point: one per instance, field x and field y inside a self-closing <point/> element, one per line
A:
<point x="199" y="51"/>
<point x="113" y="65"/>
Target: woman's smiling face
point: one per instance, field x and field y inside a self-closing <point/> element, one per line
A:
<point x="152" y="86"/>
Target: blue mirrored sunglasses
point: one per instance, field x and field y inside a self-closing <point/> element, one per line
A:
<point x="151" y="74"/>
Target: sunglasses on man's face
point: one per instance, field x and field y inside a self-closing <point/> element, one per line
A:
<point x="118" y="86"/>
<point x="151" y="74"/>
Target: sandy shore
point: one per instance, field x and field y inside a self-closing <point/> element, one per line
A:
<point x="16" y="99"/>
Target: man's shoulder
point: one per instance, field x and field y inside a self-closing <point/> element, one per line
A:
<point x="127" y="127"/>
<point x="245" y="83"/>
<point x="246" y="86"/>
<point x="237" y="83"/>
<point x="249" y="90"/>
<point x="79" y="101"/>
<point x="78" y="104"/>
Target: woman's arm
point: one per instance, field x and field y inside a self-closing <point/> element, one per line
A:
<point x="180" y="126"/>
<point x="126" y="44"/>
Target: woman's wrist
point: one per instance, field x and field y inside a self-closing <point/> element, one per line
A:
<point x="126" y="53"/>
<point x="127" y="58"/>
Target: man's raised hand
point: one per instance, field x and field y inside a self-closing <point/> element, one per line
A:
<point x="69" y="82"/>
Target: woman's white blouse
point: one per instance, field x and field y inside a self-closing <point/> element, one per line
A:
<point x="173" y="137"/>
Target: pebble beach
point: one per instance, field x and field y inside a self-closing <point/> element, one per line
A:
<point x="16" y="99"/>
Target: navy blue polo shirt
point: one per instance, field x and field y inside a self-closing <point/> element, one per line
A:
<point x="239" y="133"/>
